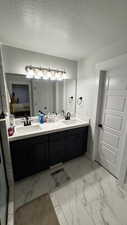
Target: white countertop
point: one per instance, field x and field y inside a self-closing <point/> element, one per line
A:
<point x="47" y="128"/>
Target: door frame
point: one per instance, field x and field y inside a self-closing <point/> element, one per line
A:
<point x="102" y="69"/>
<point x="100" y="98"/>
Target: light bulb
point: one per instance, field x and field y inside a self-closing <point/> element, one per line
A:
<point x="45" y="75"/>
<point x="53" y="75"/>
<point x="39" y="74"/>
<point x="59" y="76"/>
<point x="36" y="74"/>
<point x="49" y="74"/>
<point x="30" y="73"/>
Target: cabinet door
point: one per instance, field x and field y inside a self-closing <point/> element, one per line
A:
<point x="38" y="154"/>
<point x="19" y="159"/>
<point x="29" y="156"/>
<point x="75" y="143"/>
<point x="56" y="148"/>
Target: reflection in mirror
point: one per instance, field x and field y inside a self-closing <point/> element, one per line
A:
<point x="20" y="105"/>
<point x="28" y="96"/>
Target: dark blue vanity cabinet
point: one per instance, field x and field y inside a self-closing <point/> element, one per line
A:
<point x="56" y="148"/>
<point x="66" y="145"/>
<point x="29" y="156"/>
<point x="35" y="154"/>
<point x="75" y="143"/>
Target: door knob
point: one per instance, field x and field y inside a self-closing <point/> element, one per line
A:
<point x="100" y="125"/>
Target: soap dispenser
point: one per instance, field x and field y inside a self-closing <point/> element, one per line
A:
<point x="41" y="117"/>
<point x="11" y="128"/>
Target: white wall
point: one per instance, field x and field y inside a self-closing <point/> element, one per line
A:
<point x="3" y="88"/>
<point x="15" y="61"/>
<point x="88" y="83"/>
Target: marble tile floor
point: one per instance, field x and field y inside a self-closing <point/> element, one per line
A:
<point x="91" y="197"/>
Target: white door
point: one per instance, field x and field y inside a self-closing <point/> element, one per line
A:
<point x="113" y="121"/>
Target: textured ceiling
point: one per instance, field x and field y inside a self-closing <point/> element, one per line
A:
<point x="65" y="28"/>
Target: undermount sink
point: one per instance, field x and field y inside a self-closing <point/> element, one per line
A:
<point x="70" y="122"/>
<point x="25" y="129"/>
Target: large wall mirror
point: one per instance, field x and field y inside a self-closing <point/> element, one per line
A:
<point x="28" y="96"/>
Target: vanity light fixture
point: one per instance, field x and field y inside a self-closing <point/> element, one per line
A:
<point x="34" y="72"/>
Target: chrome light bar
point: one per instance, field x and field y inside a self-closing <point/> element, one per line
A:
<point x="33" y="72"/>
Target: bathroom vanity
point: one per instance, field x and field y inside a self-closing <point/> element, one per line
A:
<point x="33" y="152"/>
<point x="39" y="147"/>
